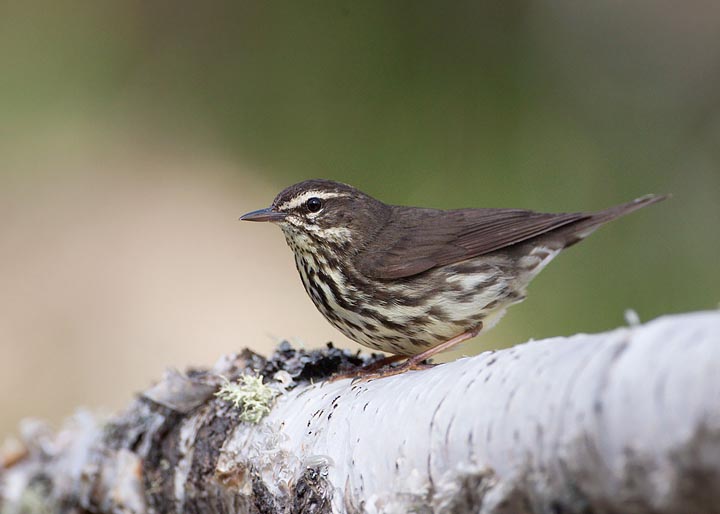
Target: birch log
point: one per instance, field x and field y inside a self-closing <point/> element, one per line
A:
<point x="626" y="421"/>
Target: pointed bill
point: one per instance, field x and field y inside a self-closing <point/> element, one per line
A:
<point x="263" y="215"/>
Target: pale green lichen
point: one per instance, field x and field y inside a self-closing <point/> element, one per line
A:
<point x="250" y="395"/>
<point x="33" y="500"/>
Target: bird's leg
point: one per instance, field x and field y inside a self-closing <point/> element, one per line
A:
<point x="416" y="361"/>
<point x="385" y="361"/>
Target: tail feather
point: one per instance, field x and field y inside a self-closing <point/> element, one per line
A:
<point x="580" y="230"/>
<point x="626" y="208"/>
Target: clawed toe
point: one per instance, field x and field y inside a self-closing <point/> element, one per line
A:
<point x="366" y="375"/>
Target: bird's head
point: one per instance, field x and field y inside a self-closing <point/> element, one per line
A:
<point x="323" y="212"/>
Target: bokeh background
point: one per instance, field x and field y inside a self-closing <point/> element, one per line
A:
<point x="133" y="134"/>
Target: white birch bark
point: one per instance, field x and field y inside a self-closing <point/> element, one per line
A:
<point x="626" y="421"/>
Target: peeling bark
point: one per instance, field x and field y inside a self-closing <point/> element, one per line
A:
<point x="626" y="421"/>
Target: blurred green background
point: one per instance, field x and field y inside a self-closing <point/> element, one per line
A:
<point x="132" y="135"/>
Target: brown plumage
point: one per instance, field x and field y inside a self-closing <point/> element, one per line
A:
<point x="414" y="281"/>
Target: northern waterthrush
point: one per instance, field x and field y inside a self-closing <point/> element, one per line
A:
<point x="412" y="281"/>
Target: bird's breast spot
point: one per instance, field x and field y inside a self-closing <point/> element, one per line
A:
<point x="398" y="313"/>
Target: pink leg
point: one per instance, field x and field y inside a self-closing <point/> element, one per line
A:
<point x="417" y="359"/>
<point x="415" y="362"/>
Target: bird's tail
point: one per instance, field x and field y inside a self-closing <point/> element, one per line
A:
<point x="583" y="228"/>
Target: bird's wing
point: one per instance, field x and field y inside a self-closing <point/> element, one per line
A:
<point x="416" y="240"/>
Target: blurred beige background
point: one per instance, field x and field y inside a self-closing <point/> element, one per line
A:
<point x="111" y="276"/>
<point x="133" y="135"/>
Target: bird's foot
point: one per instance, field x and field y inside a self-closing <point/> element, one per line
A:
<point x="410" y="364"/>
<point x="416" y="362"/>
<point x="368" y="369"/>
<point x="383" y="368"/>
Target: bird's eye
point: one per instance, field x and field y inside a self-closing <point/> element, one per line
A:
<point x="314" y="204"/>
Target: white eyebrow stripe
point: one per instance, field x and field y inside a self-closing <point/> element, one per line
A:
<point x="301" y="199"/>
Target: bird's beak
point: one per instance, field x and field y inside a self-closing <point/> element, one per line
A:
<point x="264" y="215"/>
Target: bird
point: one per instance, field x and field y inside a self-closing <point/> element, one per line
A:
<point x="413" y="282"/>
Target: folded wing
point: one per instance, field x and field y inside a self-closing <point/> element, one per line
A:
<point x="416" y="240"/>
